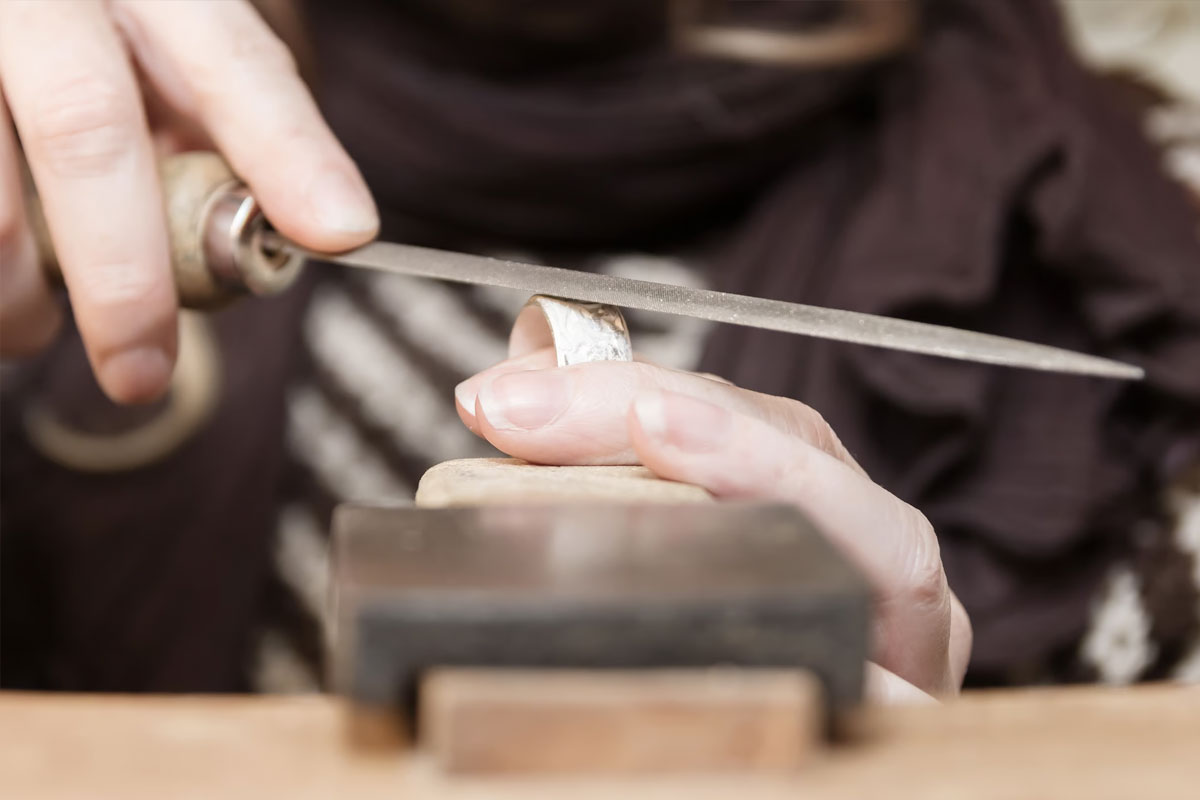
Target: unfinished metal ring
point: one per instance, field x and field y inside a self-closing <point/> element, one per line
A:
<point x="578" y="332"/>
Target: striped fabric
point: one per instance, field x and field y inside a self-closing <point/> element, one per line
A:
<point x="374" y="410"/>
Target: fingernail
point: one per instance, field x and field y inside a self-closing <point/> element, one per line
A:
<point x="466" y="392"/>
<point x="683" y="422"/>
<point x="525" y="400"/>
<point x="135" y="375"/>
<point x="651" y="414"/>
<point x="342" y="203"/>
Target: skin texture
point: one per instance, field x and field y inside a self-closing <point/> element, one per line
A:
<point x="740" y="444"/>
<point x="97" y="92"/>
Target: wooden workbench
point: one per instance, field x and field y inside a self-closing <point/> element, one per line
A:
<point x="1088" y="743"/>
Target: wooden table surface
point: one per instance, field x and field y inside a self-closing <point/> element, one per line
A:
<point x="1089" y="743"/>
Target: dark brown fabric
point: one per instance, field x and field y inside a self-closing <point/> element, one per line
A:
<point x="151" y="580"/>
<point x="984" y="180"/>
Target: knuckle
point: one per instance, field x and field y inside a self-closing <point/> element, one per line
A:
<point x="824" y="437"/>
<point x="808" y="424"/>
<point x="813" y="428"/>
<point x="252" y="45"/>
<point x="787" y="473"/>
<point x="84" y="126"/>
<point x="925" y="584"/>
<point x="120" y="285"/>
<point x="250" y="52"/>
<point x="781" y="473"/>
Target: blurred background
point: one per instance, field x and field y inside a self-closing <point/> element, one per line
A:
<point x="1155" y="43"/>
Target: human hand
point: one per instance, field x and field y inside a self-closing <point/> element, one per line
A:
<point x="97" y="91"/>
<point x="740" y="444"/>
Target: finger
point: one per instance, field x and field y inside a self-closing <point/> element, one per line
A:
<point x="962" y="637"/>
<point x="737" y="455"/>
<point x="542" y="358"/>
<point x="222" y="62"/>
<point x="577" y="414"/>
<point x="465" y="392"/>
<point x="73" y="95"/>
<point x="29" y="315"/>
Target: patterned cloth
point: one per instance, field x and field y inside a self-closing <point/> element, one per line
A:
<point x="374" y="410"/>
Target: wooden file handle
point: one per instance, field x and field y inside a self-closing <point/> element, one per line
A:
<point x="214" y="224"/>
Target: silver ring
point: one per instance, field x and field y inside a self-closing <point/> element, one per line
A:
<point x="578" y="332"/>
